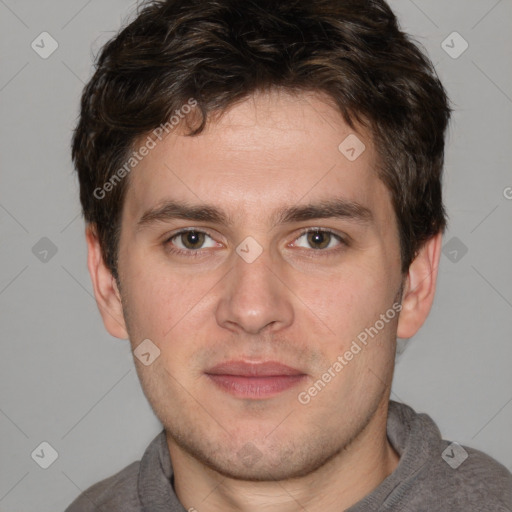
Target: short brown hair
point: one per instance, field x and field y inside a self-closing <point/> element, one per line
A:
<point x="221" y="51"/>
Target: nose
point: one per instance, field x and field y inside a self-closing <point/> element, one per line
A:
<point x="254" y="298"/>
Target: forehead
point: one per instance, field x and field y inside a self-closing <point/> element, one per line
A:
<point x="270" y="150"/>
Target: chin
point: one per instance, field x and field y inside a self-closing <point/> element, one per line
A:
<point x="283" y="458"/>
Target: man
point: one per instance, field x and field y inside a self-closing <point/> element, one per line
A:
<point x="261" y="184"/>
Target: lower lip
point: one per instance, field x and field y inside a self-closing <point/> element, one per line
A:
<point x="256" y="387"/>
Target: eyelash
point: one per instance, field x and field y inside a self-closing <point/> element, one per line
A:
<point x="180" y="252"/>
<point x="199" y="252"/>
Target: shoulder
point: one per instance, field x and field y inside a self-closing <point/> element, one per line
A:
<point x="465" y="478"/>
<point x="435" y="474"/>
<point x="116" y="493"/>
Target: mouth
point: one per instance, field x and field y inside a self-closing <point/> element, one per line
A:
<point x="254" y="380"/>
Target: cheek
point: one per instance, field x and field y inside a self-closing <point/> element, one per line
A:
<point x="162" y="303"/>
<point x="347" y="302"/>
<point x="147" y="299"/>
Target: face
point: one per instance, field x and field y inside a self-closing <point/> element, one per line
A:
<point x="254" y="256"/>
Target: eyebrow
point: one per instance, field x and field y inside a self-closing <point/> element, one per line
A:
<point x="330" y="208"/>
<point x="171" y="210"/>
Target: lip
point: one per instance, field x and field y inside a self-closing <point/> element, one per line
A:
<point x="256" y="380"/>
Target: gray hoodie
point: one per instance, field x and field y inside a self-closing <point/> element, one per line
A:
<point x="433" y="475"/>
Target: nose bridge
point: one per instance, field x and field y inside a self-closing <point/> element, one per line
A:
<point x="253" y="298"/>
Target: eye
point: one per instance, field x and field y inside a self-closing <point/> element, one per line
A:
<point x="191" y="240"/>
<point x="318" y="239"/>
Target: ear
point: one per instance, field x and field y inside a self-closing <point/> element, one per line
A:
<point x="419" y="288"/>
<point x="105" y="288"/>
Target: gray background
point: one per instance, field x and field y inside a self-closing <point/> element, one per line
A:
<point x="65" y="381"/>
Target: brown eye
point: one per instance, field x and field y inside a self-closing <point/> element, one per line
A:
<point x="192" y="239"/>
<point x="319" y="239"/>
<point x="191" y="243"/>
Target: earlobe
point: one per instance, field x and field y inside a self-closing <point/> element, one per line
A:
<point x="420" y="287"/>
<point x="105" y="288"/>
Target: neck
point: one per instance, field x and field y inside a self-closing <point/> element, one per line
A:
<point x="341" y="482"/>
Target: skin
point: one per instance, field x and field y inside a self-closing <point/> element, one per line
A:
<point x="296" y="304"/>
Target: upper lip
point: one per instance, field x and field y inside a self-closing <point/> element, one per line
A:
<point x="253" y="369"/>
